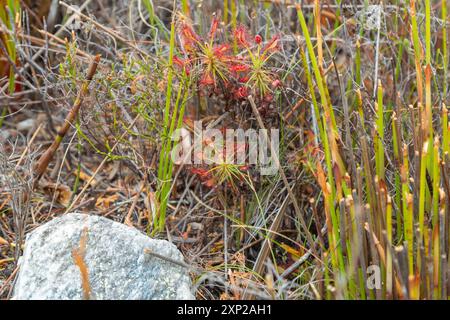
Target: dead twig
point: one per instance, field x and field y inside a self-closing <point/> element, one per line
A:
<point x="157" y="255"/>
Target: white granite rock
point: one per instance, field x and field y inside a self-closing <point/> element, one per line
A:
<point x="118" y="266"/>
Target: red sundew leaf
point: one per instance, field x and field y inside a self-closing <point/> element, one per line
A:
<point x="214" y="25"/>
<point x="205" y="177"/>
<point x="242" y="92"/>
<point x="272" y="45"/>
<point x="188" y="36"/>
<point x="239" y="68"/>
<point x="207" y="79"/>
<point x="182" y="64"/>
<point x="178" y="61"/>
<point x="240" y="34"/>
<point x="188" y="32"/>
<point x="200" y="172"/>
<point x="221" y="51"/>
<point x="244" y="79"/>
<point x="258" y="39"/>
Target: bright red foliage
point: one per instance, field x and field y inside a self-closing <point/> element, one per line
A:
<point x="214" y="62"/>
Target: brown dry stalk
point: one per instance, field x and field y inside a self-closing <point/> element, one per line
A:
<point x="47" y="156"/>
<point x="149" y="251"/>
<point x="291" y="112"/>
<point x="382" y="255"/>
<point x="78" y="255"/>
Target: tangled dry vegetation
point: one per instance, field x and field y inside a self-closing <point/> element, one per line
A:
<point x="358" y="90"/>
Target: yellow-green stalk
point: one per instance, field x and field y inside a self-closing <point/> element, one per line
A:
<point x="185" y="7"/>
<point x="319" y="79"/>
<point x="164" y="158"/>
<point x="379" y="139"/>
<point x="225" y="11"/>
<point x="14" y="10"/>
<point x="408" y="213"/>
<point x="444" y="49"/>
<point x="313" y="95"/>
<point x="389" y="269"/>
